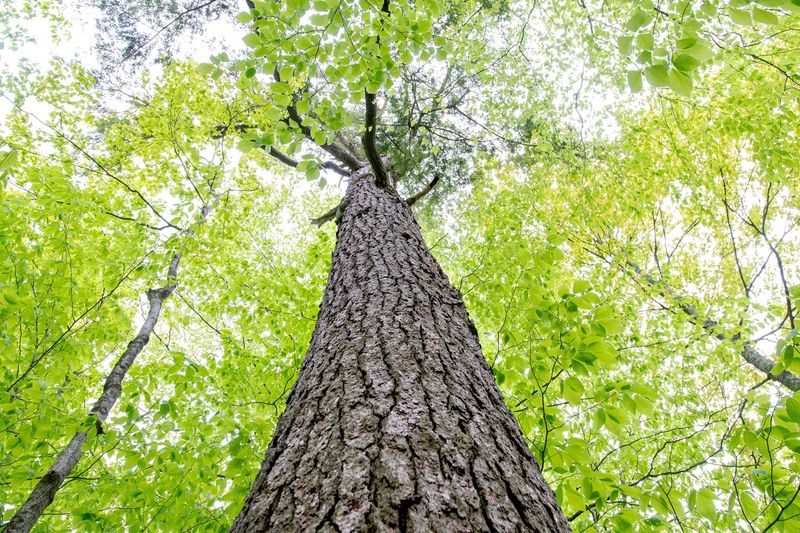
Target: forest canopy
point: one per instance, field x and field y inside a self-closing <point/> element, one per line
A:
<point x="612" y="186"/>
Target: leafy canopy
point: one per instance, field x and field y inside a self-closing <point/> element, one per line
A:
<point x="619" y="207"/>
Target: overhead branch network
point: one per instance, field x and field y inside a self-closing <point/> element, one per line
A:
<point x="340" y="151"/>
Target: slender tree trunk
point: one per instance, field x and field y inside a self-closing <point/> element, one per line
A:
<point x="750" y="354"/>
<point x="45" y="491"/>
<point x="395" y="422"/>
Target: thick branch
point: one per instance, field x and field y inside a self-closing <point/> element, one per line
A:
<point x="326" y="217"/>
<point x="221" y="130"/>
<point x="421" y="194"/>
<point x="368" y="141"/>
<point x="339" y="152"/>
<point x="285" y="159"/>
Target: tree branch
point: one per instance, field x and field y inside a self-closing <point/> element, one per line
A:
<point x="370" y="124"/>
<point x="221" y="130"/>
<point x="421" y="194"/>
<point x="283" y="158"/>
<point x="368" y="139"/>
<point x="327" y="217"/>
<point x="783" y="71"/>
<point x="339" y="152"/>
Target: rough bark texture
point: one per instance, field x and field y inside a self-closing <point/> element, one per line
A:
<point x="395" y="422"/>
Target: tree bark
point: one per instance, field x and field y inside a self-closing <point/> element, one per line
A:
<point x="395" y="422"/>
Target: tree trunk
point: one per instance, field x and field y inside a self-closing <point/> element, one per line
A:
<point x="395" y="422"/>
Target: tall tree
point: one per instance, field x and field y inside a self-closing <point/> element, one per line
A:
<point x="652" y="398"/>
<point x="395" y="421"/>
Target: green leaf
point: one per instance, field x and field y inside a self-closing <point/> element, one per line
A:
<point x="244" y="17"/>
<point x="245" y="146"/>
<point x="8" y="159"/>
<point x="643" y="406"/>
<point x="580" y="285"/>
<point x="657" y="75"/>
<point x="572" y="389"/>
<point x="285" y="73"/>
<point x="794" y="291"/>
<point x="625" y="44"/>
<point x="602" y="351"/>
<point x="792" y="441"/>
<point x="645" y="41"/>
<point x="763" y="16"/>
<point x="793" y="409"/>
<point x="302" y="106"/>
<point x="700" y="51"/>
<point x="685" y="62"/>
<point x="274" y="114"/>
<point x="320" y="19"/>
<point x="89" y="422"/>
<point x="705" y="503"/>
<point x="612" y="326"/>
<point x="680" y="82"/>
<point x="644" y="57"/>
<point x="206" y="68"/>
<point x="709" y="9"/>
<point x="740" y="16"/>
<point x="252" y="40"/>
<point x="638" y="20"/>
